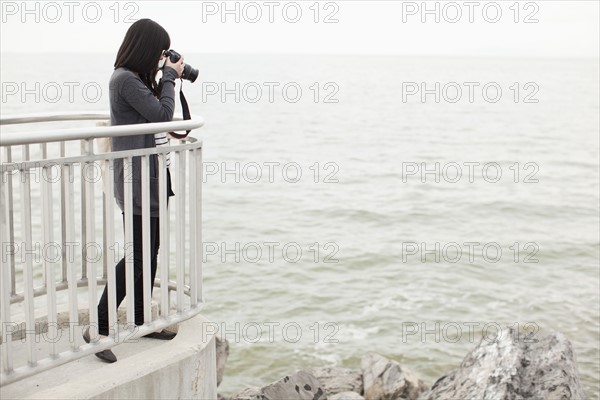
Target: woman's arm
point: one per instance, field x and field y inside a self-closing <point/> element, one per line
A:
<point x="136" y="94"/>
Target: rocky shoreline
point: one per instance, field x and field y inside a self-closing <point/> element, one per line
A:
<point x="514" y="367"/>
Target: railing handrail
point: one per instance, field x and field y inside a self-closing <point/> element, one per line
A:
<point x="82" y="133"/>
<point x="33" y="118"/>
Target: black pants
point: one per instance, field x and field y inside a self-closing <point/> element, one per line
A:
<point x="138" y="271"/>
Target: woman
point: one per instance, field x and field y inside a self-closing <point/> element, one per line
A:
<point x="135" y="98"/>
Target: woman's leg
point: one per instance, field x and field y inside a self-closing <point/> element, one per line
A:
<point x="103" y="328"/>
<point x="103" y="304"/>
<point x="155" y="246"/>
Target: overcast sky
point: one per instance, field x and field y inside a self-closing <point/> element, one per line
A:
<point x="540" y="28"/>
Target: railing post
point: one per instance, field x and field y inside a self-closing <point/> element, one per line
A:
<point x="164" y="236"/>
<point x="128" y="182"/>
<point x="7" y="264"/>
<point x="63" y="213"/>
<point x="180" y="234"/>
<point x="192" y="223"/>
<point x="10" y="219"/>
<point x="109" y="255"/>
<point x="88" y="175"/>
<point x="43" y="155"/>
<point x="85" y="150"/>
<point x="68" y="223"/>
<point x="28" y="269"/>
<point x="48" y="225"/>
<point x="199" y="249"/>
<point x="147" y="260"/>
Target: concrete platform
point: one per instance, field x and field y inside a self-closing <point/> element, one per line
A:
<point x="184" y="367"/>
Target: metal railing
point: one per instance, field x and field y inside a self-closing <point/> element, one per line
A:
<point x="61" y="272"/>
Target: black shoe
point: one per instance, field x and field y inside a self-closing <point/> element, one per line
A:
<point x="162" y="335"/>
<point x="106" y="355"/>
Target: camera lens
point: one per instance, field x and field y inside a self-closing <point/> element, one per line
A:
<point x="190" y="73"/>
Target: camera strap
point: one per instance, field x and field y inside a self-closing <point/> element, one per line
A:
<point x="186" y="115"/>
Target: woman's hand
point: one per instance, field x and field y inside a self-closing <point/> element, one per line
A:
<point x="178" y="66"/>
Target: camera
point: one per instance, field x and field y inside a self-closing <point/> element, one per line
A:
<point x="189" y="73"/>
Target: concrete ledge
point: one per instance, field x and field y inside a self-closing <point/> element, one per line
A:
<point x="62" y="319"/>
<point x="183" y="368"/>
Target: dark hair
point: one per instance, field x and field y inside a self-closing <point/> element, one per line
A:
<point x="141" y="49"/>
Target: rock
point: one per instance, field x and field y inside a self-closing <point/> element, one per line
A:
<point x="222" y="349"/>
<point x="300" y="386"/>
<point x="221" y="397"/>
<point x="514" y="367"/>
<point x="336" y="380"/>
<point x="251" y="393"/>
<point x="385" y="379"/>
<point x="346" y="396"/>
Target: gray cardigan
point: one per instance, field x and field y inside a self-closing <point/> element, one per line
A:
<point x="131" y="102"/>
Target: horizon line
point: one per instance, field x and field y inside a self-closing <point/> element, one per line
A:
<point x="490" y="56"/>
